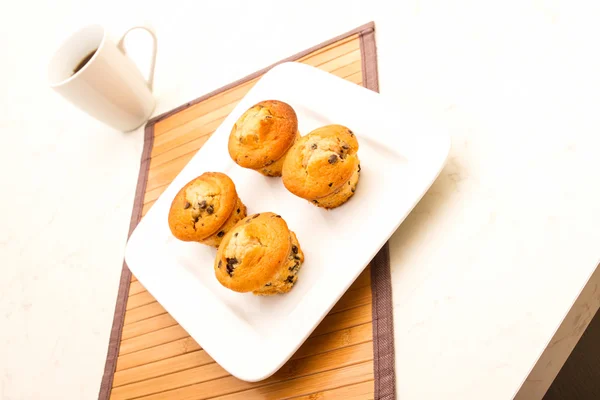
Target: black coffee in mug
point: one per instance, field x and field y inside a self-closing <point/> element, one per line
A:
<point x="84" y="61"/>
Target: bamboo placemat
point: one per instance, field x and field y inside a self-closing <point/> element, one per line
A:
<point x="350" y="355"/>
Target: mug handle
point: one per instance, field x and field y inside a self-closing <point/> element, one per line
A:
<point x="150" y="30"/>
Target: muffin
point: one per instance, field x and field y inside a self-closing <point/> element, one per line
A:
<point x="261" y="137"/>
<point x="259" y="255"/>
<point x="205" y="209"/>
<point x="323" y="166"/>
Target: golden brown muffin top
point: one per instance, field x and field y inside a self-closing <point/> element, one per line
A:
<point x="263" y="134"/>
<point x="202" y="206"/>
<point x="252" y="253"/>
<point x="321" y="162"/>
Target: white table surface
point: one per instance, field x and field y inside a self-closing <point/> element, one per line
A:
<point x="485" y="268"/>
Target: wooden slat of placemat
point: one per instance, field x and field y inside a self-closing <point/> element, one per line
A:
<point x="157" y="358"/>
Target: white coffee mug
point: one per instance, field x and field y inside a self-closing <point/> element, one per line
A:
<point x="94" y="74"/>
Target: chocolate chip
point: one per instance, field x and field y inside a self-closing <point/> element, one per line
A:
<point x="350" y="132"/>
<point x="289" y="279"/>
<point x="315" y="201"/>
<point x="268" y="117"/>
<point x="196" y="218"/>
<point x="348" y="183"/>
<point x="268" y="284"/>
<point x="230" y="269"/>
<point x="255" y="216"/>
<point x="295" y="249"/>
<point x="294" y="268"/>
<point x="220" y="263"/>
<point x="186" y="205"/>
<point x="232" y="261"/>
<point x="238" y="210"/>
<point x="278" y="216"/>
<point x="202" y="204"/>
<point x="330" y="184"/>
<point x="345" y="146"/>
<point x="332" y="159"/>
<point x="353" y="190"/>
<point x="210" y="209"/>
<point x="296" y="258"/>
<point x="235" y="234"/>
<point x="358" y="167"/>
<point x="221" y="234"/>
<point x="313" y="146"/>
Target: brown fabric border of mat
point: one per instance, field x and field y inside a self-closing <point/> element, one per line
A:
<point x="125" y="281"/>
<point x="381" y="286"/>
<point x="381" y="280"/>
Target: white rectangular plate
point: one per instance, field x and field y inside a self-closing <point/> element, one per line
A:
<point x="251" y="337"/>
